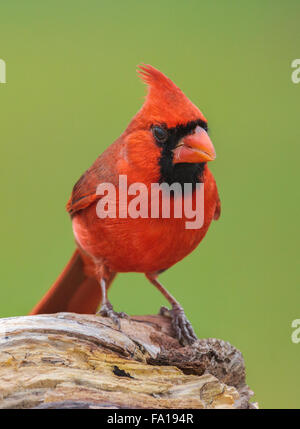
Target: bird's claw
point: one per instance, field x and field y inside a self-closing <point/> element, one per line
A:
<point x="182" y="327"/>
<point x="107" y="310"/>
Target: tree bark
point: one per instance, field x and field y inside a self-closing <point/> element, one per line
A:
<point x="69" y="360"/>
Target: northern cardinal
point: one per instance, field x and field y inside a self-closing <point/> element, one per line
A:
<point x="165" y="142"/>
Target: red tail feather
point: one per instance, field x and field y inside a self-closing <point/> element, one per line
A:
<point x="73" y="291"/>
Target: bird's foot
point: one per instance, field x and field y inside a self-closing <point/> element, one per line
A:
<point x="107" y="310"/>
<point x="183" y="329"/>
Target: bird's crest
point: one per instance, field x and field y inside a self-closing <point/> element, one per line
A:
<point x="154" y="77"/>
<point x="165" y="102"/>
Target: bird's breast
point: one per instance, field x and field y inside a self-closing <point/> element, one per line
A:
<point x="144" y="244"/>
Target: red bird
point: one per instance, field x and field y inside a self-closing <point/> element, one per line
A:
<point x="165" y="142"/>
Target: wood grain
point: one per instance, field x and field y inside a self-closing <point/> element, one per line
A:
<point x="68" y="360"/>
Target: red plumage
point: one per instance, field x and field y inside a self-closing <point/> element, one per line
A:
<point x="111" y="245"/>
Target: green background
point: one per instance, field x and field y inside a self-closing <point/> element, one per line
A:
<point x="71" y="90"/>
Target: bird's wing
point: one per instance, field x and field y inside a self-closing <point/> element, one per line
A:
<point x="102" y="171"/>
<point x="210" y="181"/>
<point x="218" y="209"/>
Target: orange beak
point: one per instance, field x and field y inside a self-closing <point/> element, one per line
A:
<point x="194" y="148"/>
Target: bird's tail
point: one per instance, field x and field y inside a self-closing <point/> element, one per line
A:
<point x="73" y="291"/>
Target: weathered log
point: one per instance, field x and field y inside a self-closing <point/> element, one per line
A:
<point x="68" y="360"/>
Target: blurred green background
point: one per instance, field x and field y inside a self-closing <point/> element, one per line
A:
<point x="71" y="90"/>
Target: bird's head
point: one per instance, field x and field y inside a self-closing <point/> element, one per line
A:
<point x="171" y="122"/>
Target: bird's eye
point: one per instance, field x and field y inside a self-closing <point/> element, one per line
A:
<point x="160" y="134"/>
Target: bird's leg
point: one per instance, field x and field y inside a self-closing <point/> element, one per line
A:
<point x="106" y="309"/>
<point x="182" y="327"/>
